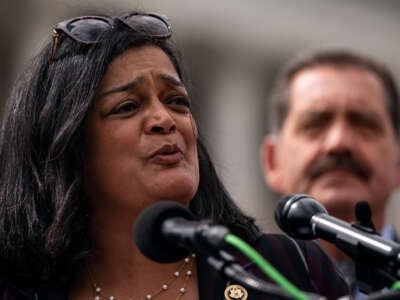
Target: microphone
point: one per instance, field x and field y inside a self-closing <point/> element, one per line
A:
<point x="303" y="217"/>
<point x="364" y="215"/>
<point x="167" y="232"/>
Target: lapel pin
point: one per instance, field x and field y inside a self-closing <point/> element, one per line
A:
<point x="235" y="292"/>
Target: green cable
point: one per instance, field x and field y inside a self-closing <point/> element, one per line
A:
<point x="395" y="285"/>
<point x="265" y="266"/>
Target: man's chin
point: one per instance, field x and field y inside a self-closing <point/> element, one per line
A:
<point x="332" y="186"/>
<point x="339" y="202"/>
<point x="339" y="178"/>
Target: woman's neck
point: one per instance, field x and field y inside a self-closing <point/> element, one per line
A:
<point x="119" y="269"/>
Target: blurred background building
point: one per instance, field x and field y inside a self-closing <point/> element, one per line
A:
<point x="232" y="49"/>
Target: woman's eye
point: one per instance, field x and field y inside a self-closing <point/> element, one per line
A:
<point x="180" y="103"/>
<point x="125" y="107"/>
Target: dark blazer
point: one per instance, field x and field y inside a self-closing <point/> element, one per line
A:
<point x="304" y="264"/>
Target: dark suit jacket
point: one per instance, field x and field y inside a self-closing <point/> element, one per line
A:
<point x="302" y="263"/>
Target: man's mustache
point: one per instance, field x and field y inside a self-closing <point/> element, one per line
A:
<point x="339" y="161"/>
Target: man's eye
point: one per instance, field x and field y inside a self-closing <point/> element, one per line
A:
<point x="313" y="127"/>
<point x="368" y="124"/>
<point x="125" y="107"/>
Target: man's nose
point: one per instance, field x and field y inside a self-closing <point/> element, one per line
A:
<point x="159" y="119"/>
<point x="339" y="138"/>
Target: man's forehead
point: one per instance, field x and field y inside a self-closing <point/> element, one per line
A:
<point x="325" y="86"/>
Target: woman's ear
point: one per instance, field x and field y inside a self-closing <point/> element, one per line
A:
<point x="269" y="161"/>
<point x="398" y="165"/>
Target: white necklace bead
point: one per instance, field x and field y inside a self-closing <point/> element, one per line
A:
<point x="164" y="287"/>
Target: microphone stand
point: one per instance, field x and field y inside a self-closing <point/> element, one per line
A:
<point x="226" y="265"/>
<point x="373" y="276"/>
<point x="389" y="295"/>
<point x="209" y="240"/>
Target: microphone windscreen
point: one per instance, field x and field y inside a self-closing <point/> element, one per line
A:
<point x="363" y="211"/>
<point x="294" y="212"/>
<point x="148" y="234"/>
<point x="281" y="211"/>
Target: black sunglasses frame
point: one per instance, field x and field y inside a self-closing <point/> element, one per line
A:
<point x="63" y="27"/>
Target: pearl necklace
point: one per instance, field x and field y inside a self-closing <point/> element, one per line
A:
<point x="185" y="267"/>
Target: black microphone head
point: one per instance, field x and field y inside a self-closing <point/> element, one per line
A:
<point x="148" y="236"/>
<point x="363" y="211"/>
<point x="293" y="215"/>
<point x="363" y="214"/>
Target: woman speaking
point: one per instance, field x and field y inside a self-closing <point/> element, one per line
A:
<point x="97" y="128"/>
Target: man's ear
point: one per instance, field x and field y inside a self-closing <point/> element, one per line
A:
<point x="269" y="161"/>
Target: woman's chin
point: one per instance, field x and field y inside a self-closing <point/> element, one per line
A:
<point x="180" y="187"/>
<point x="179" y="191"/>
<point x="182" y="196"/>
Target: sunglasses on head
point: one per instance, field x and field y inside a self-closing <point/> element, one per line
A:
<point x="89" y="29"/>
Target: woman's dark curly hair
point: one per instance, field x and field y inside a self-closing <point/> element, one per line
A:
<point x="44" y="213"/>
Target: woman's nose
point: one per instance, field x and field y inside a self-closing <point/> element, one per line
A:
<point x="159" y="120"/>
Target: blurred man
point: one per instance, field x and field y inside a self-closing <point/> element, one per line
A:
<point x="334" y="120"/>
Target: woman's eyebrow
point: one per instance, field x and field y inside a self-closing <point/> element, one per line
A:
<point x="171" y="80"/>
<point x="124" y="87"/>
<point x="130" y="85"/>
